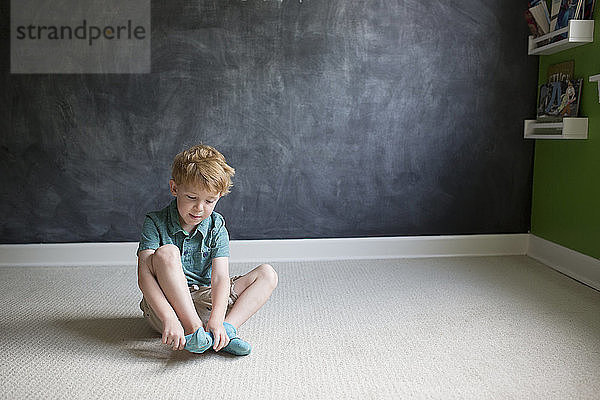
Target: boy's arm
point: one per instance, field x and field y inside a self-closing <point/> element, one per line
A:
<point x="155" y="297"/>
<point x="220" y="298"/>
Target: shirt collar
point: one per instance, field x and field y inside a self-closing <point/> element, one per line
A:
<point x="175" y="226"/>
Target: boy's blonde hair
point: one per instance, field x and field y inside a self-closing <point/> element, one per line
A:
<point x="205" y="166"/>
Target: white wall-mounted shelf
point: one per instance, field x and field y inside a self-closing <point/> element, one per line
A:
<point x="569" y="128"/>
<point x="596" y="78"/>
<point x="579" y="32"/>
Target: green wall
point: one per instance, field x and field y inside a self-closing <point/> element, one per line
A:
<point x="566" y="174"/>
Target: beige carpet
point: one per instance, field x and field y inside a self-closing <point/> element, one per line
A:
<point x="451" y="328"/>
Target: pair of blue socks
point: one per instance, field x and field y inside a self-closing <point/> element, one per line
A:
<point x="200" y="341"/>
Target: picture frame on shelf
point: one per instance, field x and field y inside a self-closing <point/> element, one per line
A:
<point x="559" y="99"/>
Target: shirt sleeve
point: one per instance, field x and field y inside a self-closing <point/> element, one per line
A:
<point x="150" y="238"/>
<point x="221" y="246"/>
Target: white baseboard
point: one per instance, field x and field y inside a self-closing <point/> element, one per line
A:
<point x="378" y="247"/>
<point x="82" y="254"/>
<point x="578" y="266"/>
<point x="68" y="254"/>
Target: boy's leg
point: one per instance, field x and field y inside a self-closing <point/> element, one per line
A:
<point x="166" y="267"/>
<point x="253" y="290"/>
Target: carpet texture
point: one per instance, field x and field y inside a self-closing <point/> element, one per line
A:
<point x="442" y="328"/>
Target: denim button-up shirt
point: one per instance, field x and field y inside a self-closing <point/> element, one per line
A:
<point x="210" y="240"/>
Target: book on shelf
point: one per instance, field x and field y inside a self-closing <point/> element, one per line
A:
<point x="554" y="10"/>
<point x="541" y="16"/>
<point x="585" y="9"/>
<point x="588" y="11"/>
<point x="559" y="99"/>
<point x="533" y="26"/>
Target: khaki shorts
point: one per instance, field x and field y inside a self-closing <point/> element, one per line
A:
<point x="201" y="295"/>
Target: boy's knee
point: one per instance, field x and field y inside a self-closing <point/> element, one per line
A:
<point x="166" y="256"/>
<point x="268" y="273"/>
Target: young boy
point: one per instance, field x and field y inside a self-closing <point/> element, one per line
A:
<point x="183" y="262"/>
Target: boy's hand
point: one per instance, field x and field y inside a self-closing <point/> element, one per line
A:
<point x="173" y="334"/>
<point x="220" y="338"/>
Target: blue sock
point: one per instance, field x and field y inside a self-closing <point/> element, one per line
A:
<point x="198" y="342"/>
<point x="236" y="345"/>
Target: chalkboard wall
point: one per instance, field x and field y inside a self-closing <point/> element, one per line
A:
<point x="342" y="119"/>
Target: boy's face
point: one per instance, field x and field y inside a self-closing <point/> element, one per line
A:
<point x="194" y="204"/>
